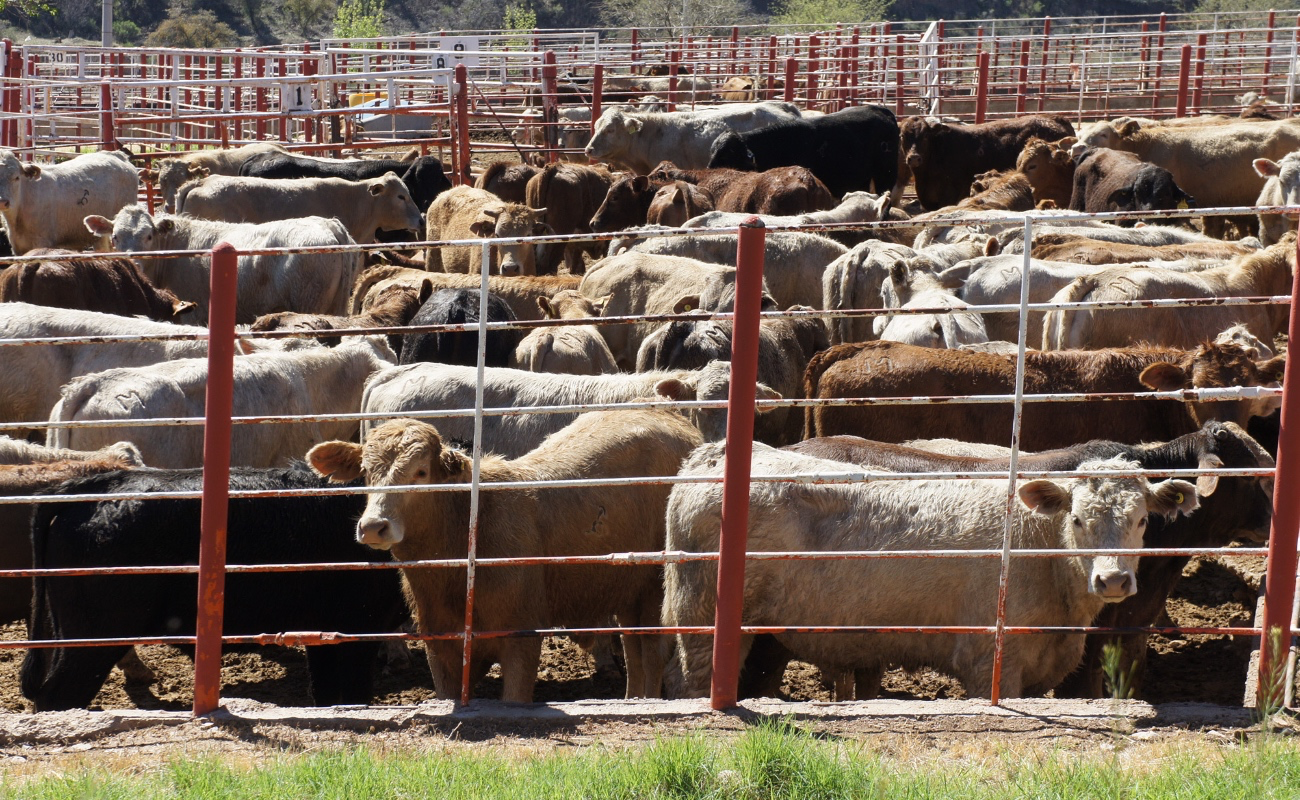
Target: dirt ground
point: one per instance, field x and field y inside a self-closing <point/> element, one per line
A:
<point x="1193" y="668"/>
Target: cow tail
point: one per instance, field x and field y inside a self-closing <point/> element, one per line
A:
<point x="73" y="396"/>
<point x="838" y="289"/>
<point x="543" y="346"/>
<point x="539" y="188"/>
<point x="811" y="378"/>
<point x="40" y="662"/>
<point x="951" y="335"/>
<point x="1057" y="323"/>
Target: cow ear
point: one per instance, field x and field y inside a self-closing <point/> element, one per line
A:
<point x="32" y="171"/>
<point x="542" y="229"/>
<point x="954" y="277"/>
<point x="426" y="290"/>
<point x="1266" y="168"/>
<point x="198" y="172"/>
<point x="764" y="392"/>
<point x="376" y="189"/>
<point x="149" y="175"/>
<point x="181" y="306"/>
<point x="883" y="203"/>
<point x="545" y="306"/>
<point x="1206" y="484"/>
<point x="1272" y="369"/>
<point x="600" y="304"/>
<point x="1171" y="498"/>
<point x="483" y="227"/>
<point x="100" y="226"/>
<point x="640" y="183"/>
<point x="1044" y="497"/>
<point x="898" y="273"/>
<point x="633" y="125"/>
<point x="992" y="247"/>
<point x="687" y="304"/>
<point x="674" y="389"/>
<point x="1164" y="377"/>
<point x="1127" y="127"/>
<point x="453" y="462"/>
<point x="165" y="225"/>
<point x="338" y="461"/>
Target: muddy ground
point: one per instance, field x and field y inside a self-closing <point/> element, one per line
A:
<point x="1193" y="668"/>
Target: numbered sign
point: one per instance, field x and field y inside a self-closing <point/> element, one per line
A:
<point x="450" y="46"/>
<point x="296" y="97"/>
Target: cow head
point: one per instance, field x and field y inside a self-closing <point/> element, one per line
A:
<point x="1111" y="134"/>
<point x="1049" y="168"/>
<point x="425" y="180"/>
<point x="569" y="304"/>
<point x="172" y="174"/>
<point x="13" y="174"/>
<point x="1107" y="513"/>
<point x="133" y="230"/>
<point x="730" y="151"/>
<point x="398" y="453"/>
<point x="509" y="221"/>
<point x="394" y="210"/>
<point x="1217" y="365"/>
<point x="626" y="204"/>
<point x="614" y="134"/>
<point x="711" y="383"/>
<point x="1287" y="173"/>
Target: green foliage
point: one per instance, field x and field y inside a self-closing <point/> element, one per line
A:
<point x="199" y="28"/>
<point x="307" y="16"/>
<point x="520" y="17"/>
<point x="829" y="12"/>
<point x="28" y="8"/>
<point x="1119" y="682"/>
<point x="126" y="32"/>
<point x="673" y="14"/>
<point x="359" y="19"/>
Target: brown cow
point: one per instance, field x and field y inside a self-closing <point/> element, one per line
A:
<point x="1113" y="180"/>
<point x="1082" y="250"/>
<point x="573" y="349"/>
<point x="677" y="202"/>
<point x="784" y="190"/>
<point x="392" y="306"/>
<point x="1260" y="274"/>
<point x="1049" y="168"/>
<point x="739" y="89"/>
<point x="945" y="158"/>
<point x="1001" y="191"/>
<point x="545" y="522"/>
<point x="571" y="193"/>
<point x="520" y="293"/>
<point x="108" y="285"/>
<point x="627" y="203"/>
<point x="507" y="181"/>
<point x="890" y="369"/>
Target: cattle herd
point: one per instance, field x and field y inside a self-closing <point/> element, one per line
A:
<point x="642" y="170"/>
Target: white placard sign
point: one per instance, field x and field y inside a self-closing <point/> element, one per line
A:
<point x="453" y="45"/>
<point x="296" y="97"/>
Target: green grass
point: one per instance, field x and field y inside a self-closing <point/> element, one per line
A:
<point x="770" y="761"/>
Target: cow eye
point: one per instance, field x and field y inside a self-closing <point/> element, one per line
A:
<point x="1142" y="523"/>
<point x="1078" y="523"/>
<point x="422" y="473"/>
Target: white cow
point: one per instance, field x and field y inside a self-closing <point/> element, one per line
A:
<point x="314" y="380"/>
<point x="639" y="141"/>
<point x="910" y="285"/>
<point x="1104" y="513"/>
<point x="308" y="283"/>
<point x="43" y="204"/>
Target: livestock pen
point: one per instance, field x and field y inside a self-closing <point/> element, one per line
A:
<point x="732" y="555"/>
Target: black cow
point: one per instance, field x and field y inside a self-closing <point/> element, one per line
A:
<point x="460" y="307"/>
<point x="848" y="150"/>
<point x="166" y="532"/>
<point x="423" y="176"/>
<point x="1113" y="180"/>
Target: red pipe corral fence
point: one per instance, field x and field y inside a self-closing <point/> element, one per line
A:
<point x="464" y="93"/>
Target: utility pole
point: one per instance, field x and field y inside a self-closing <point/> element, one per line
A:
<point x="106" y="33"/>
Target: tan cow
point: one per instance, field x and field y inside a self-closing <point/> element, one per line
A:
<point x="363" y="207"/>
<point x="468" y="213"/>
<point x="172" y="173"/>
<point x="738" y="89"/>
<point x="1049" y="168"/>
<point x="520" y="293"/>
<point x="1265" y="273"/>
<point x="572" y="349"/>
<point x="548" y="522"/>
<point x="1210" y="162"/>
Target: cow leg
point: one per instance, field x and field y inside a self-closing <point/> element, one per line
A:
<point x="573" y="258"/>
<point x="134" y="670"/>
<point x="444" y="660"/>
<point x="841" y="684"/>
<point x="57" y="679"/>
<point x="695" y="653"/>
<point x="519" y="661"/>
<point x="1213" y="226"/>
<point x="866" y="682"/>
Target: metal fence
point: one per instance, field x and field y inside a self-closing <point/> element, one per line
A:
<point x="732" y="555"/>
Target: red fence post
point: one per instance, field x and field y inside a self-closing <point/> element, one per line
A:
<point x="735" y="481"/>
<point x="460" y="121"/>
<point x="771" y="69"/>
<point x="1200" y="73"/>
<point x="1279" y="591"/>
<point x="1184" y="77"/>
<point x="813" y="65"/>
<point x="635" y="51"/>
<point x="791" y="67"/>
<point x="982" y="89"/>
<point x="550" y="108"/>
<point x="597" y="92"/>
<point x="898" y="77"/>
<point x="1022" y="83"/>
<point x="107" y="137"/>
<point x="216" y="480"/>
<point x="8" y="125"/>
<point x="1042" y="77"/>
<point x="674" y="58"/>
<point x="735" y="38"/>
<point x="1268" y="54"/>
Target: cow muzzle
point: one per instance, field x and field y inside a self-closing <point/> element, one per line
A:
<point x="1114" y="586"/>
<point x="380" y="534"/>
<point x="4" y="203"/>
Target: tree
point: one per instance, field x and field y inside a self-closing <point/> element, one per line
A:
<point x="676" y="14"/>
<point x="306" y="16"/>
<point x="192" y="29"/>
<point x="359" y="19"/>
<point x="829" y="12"/>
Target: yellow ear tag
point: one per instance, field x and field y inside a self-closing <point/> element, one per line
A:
<point x="688" y="310"/>
<point x="1179" y="498"/>
<point x="1182" y="204"/>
